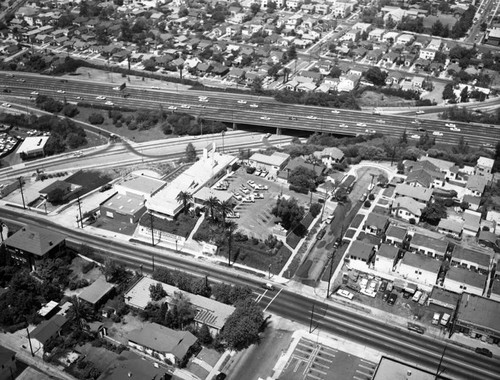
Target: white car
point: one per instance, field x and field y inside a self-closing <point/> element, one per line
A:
<point x="109" y="103"/>
<point x="187" y="106"/>
<point x="6" y="105"/>
<point x="203" y="100"/>
<point x="265" y="118"/>
<point x="61" y="91"/>
<point x="254" y="105"/>
<point x="454" y="129"/>
<point x="172" y="107"/>
<point x="345" y="294"/>
<point x="312" y="117"/>
<point x="420" y="112"/>
<point x="437" y="133"/>
<point x="380" y="121"/>
<point x="370" y="131"/>
<point x="101" y="97"/>
<point x="415" y="137"/>
<point x="242" y="101"/>
<point x="416" y="122"/>
<point x="361" y="125"/>
<point x="343" y="126"/>
<point x="34" y="93"/>
<point x="79" y="98"/>
<point x="336" y="112"/>
<point x="450" y="125"/>
<point x="487" y="145"/>
<point x="155" y="87"/>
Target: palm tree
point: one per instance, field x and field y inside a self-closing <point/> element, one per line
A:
<point x="225" y="208"/>
<point x="212" y="203"/>
<point x="184" y="197"/>
<point x="79" y="313"/>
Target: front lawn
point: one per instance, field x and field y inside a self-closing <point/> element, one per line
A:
<point x="181" y="226"/>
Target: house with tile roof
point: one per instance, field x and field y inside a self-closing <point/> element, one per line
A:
<point x="472" y="222"/>
<point x="419" y="268"/>
<point x="451" y="227"/>
<point x="419" y="194"/>
<point x="407" y="208"/>
<point x="329" y="156"/>
<point x="461" y="280"/>
<point x="376" y="224"/>
<point x="475" y="185"/>
<point x="386" y="259"/>
<point x="361" y="255"/>
<point x="472" y="259"/>
<point x="45" y="331"/>
<point x="160" y="342"/>
<point x="31" y="244"/>
<point x="395" y="235"/>
<point x="429" y="246"/>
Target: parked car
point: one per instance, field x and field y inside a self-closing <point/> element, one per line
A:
<point x="416" y="296"/>
<point x="436" y="318"/>
<point x="392" y="299"/>
<point x="386" y="295"/>
<point x="390" y="286"/>
<point x="445" y="319"/>
<point x="383" y="286"/>
<point x="423" y="299"/>
<point x="320" y="234"/>
<point x="345" y="294"/>
<point x="484" y="351"/>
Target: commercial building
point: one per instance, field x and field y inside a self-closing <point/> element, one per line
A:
<point x="123" y="208"/>
<point x="392" y="369"/>
<point x="361" y="254"/>
<point x="460" y="280"/>
<point x="419" y="268"/>
<point x="473" y="259"/>
<point x="33" y="147"/>
<point x="273" y="163"/>
<point x="386" y="259"/>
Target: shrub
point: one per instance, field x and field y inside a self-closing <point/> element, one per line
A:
<point x="367" y="204"/>
<point x="87" y="267"/>
<point x="96" y="118"/>
<point x="72" y="285"/>
<point x="297" y="189"/>
<point x="371" y="197"/>
<point x="413" y="221"/>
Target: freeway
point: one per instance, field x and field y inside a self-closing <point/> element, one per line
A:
<point x="457" y="362"/>
<point x="247" y="109"/>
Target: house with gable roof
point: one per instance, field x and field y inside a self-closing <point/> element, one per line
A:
<point x="451" y="227"/>
<point x="471" y="259"/>
<point x="329" y="156"/>
<point x="407" y="208"/>
<point x="461" y="280"/>
<point x="475" y="185"/>
<point x="472" y="222"/>
<point x="395" y="235"/>
<point x="429" y="246"/>
<point x="449" y="169"/>
<point x="419" y="268"/>
<point x="419" y="194"/>
<point x="376" y="224"/>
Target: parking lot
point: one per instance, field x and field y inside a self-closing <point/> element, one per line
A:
<point x="314" y="361"/>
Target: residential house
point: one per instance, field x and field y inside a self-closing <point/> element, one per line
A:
<point x="484" y="166"/>
<point x="131" y="365"/>
<point x="374" y="55"/>
<point x="407" y="208"/>
<point x="451" y="227"/>
<point x="435" y="44"/>
<point x="351" y="35"/>
<point x="477" y="317"/>
<point x="8" y="366"/>
<point x="376" y="224"/>
<point x="361" y="255"/>
<point x="449" y="169"/>
<point x="472" y="202"/>
<point x="348" y="83"/>
<point x="472" y="259"/>
<point x="427" y="54"/>
<point x="475" y="185"/>
<point x="294" y="163"/>
<point x="362" y="27"/>
<point x="425" y="178"/>
<point x="342" y="10"/>
<point x="487" y="239"/>
<point x="405" y="39"/>
<point x="419" y="194"/>
<point x="45" y="331"/>
<point x="273" y="163"/>
<point x="376" y="35"/>
<point x="329" y="156"/>
<point x="390" y="37"/>
<point x="97" y="293"/>
<point x="162" y="343"/>
<point x="461" y="280"/>
<point x="419" y="268"/>
<point x="417" y="82"/>
<point x="472" y="222"/>
<point x="322" y="9"/>
<point x="395" y="235"/>
<point x="495" y="289"/>
<point x="429" y="246"/>
<point x="31" y="244"/>
<point x="386" y="259"/>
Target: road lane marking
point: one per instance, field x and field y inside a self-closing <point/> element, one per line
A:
<point x="270" y="302"/>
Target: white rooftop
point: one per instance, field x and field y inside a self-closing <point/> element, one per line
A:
<point x="33" y="144"/>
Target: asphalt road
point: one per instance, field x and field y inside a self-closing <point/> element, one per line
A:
<point x="237" y="108"/>
<point x="460" y="363"/>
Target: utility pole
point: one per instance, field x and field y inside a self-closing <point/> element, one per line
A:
<point x="20" y="179"/>
<point x="80" y="211"/>
<point x="270" y="270"/>
<point x="311" y="321"/>
<point x="331" y="273"/>
<point x="152" y="242"/>
<point x="29" y="340"/>
<point x="223" y="133"/>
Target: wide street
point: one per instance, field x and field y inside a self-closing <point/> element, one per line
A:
<point x="460" y="363"/>
<point x="250" y="109"/>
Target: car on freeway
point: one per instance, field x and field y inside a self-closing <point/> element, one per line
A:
<point x="345" y="294"/>
<point x="242" y="101"/>
<point x="420" y="129"/>
<point x="268" y="286"/>
<point x="254" y="105"/>
<point x="79" y="98"/>
<point x="415" y="137"/>
<point x="21" y="80"/>
<point x="450" y="125"/>
<point x="7" y="90"/>
<point x="6" y="105"/>
<point x="361" y="125"/>
<point x="343" y="126"/>
<point x="172" y="107"/>
<point x="311" y="117"/>
<point x="381" y="121"/>
<point x="487" y="145"/>
<point x="186" y="106"/>
<point x="109" y="103"/>
<point x="34" y="93"/>
<point x="100" y="97"/>
<point x="416" y="122"/>
<point x="61" y="91"/>
<point x="437" y="133"/>
<point x="155" y="87"/>
<point x="454" y="129"/>
<point x="336" y="112"/>
<point x="420" y="112"/>
<point x="392" y="299"/>
<point x="483" y="351"/>
<point x="265" y="118"/>
<point x="292" y="118"/>
<point x="370" y="131"/>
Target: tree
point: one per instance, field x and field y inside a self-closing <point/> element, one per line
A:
<point x="182" y="310"/>
<point x="79" y="314"/>
<point x="404" y="138"/>
<point x="255" y="8"/>
<point x="376" y="76"/>
<point x="184" y="197"/>
<point x="448" y="92"/>
<point x="437" y="28"/>
<point x="291" y="53"/>
<point x="224" y="208"/>
<point x="390" y="23"/>
<point x="315" y="209"/>
<point x="302" y="177"/>
<point x="433" y="213"/>
<point x="96" y="118"/>
<point x="464" y="94"/>
<point x="190" y="153"/>
<point x="113" y="272"/>
<point x="257" y="85"/>
<point x="289" y="211"/>
<point x="230" y="228"/>
<point x="204" y="335"/>
<point x="271" y="6"/>
<point x="212" y="203"/>
<point x="243" y="326"/>
<point x="157" y="292"/>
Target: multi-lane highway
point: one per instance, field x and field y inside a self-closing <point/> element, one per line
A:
<point x="248" y="109"/>
<point x="457" y="362"/>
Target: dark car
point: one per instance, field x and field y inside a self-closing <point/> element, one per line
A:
<point x="386" y="295"/>
<point x="105" y="188"/>
<point x="320" y="234"/>
<point x="484" y="351"/>
<point x="220" y="376"/>
<point x="383" y="286"/>
<point x="392" y="299"/>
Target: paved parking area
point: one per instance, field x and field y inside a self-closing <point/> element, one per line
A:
<point x="315" y="361"/>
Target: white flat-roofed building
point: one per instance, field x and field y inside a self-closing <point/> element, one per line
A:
<point x="123" y="208"/>
<point x="201" y="196"/>
<point x="419" y="268"/>
<point x="33" y="146"/>
<point x="484" y="166"/>
<point x="142" y="185"/>
<point x="205" y="172"/>
<point x="273" y="163"/>
<point x="208" y="311"/>
<point x="389" y="368"/>
<point x="471" y="259"/>
<point x="463" y="280"/>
